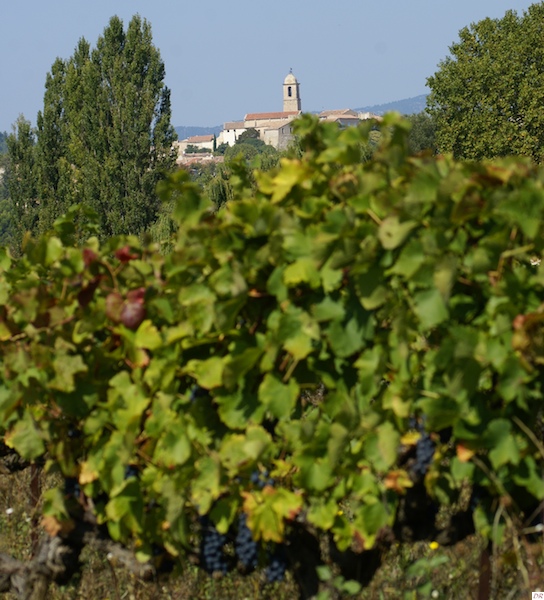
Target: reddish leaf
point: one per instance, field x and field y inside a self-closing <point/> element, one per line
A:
<point x="124" y="254"/>
<point x="136" y="295"/>
<point x="89" y="256"/>
<point x="86" y="294"/>
<point x="114" y="305"/>
<point x="132" y="314"/>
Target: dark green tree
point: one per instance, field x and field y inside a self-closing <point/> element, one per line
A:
<point x="104" y="136"/>
<point x="220" y="150"/>
<point x="7" y="220"/>
<point x="486" y="98"/>
<point x="422" y="135"/>
<point x="21" y="180"/>
<point x="248" y="151"/>
<point x="3" y="164"/>
<point x="3" y="142"/>
<point x="247" y="135"/>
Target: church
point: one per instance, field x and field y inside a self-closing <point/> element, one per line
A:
<point x="274" y="128"/>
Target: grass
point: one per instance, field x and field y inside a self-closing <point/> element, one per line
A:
<point x="419" y="570"/>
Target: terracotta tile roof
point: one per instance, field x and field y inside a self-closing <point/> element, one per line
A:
<point x="271" y="115"/>
<point x="198" y="139"/>
<point x="342" y="111"/>
<point x="234" y="125"/>
<point x="342" y="118"/>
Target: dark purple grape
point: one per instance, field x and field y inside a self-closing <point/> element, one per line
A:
<point x="131" y="471"/>
<point x="424" y="454"/>
<point x="71" y="487"/>
<point x="247" y="549"/>
<point x="277" y="564"/>
<point x="212" y="557"/>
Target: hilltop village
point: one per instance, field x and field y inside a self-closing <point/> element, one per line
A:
<point x="274" y="128"/>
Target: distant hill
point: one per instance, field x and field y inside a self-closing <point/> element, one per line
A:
<point x="186" y="132"/>
<point x="408" y="106"/>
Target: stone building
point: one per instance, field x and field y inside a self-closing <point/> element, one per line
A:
<point x="274" y="127"/>
<point x="204" y="142"/>
<point x="346" y="117"/>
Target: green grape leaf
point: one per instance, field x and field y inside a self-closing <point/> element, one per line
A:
<point x="392" y="232"/>
<point x="26" y="438"/>
<point x="277" y="397"/>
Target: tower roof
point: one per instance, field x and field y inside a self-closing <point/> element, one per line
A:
<point x="290" y="79"/>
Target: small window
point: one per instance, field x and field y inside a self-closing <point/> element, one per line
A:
<point x="289" y="91"/>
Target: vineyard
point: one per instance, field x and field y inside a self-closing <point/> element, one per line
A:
<point x="296" y="382"/>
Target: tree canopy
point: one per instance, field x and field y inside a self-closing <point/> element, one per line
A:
<point x="486" y="97"/>
<point x="3" y="142"/>
<point x="103" y="138"/>
<point x="422" y="136"/>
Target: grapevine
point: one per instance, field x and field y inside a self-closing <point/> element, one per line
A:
<point x="260" y="377"/>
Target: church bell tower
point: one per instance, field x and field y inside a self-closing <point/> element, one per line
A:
<point x="291" y="94"/>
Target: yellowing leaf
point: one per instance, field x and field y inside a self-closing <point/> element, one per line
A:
<point x="398" y="481"/>
<point x="54" y="526"/>
<point x="268" y="510"/>
<point x="87" y="473"/>
<point x="410" y="438"/>
<point x="464" y="454"/>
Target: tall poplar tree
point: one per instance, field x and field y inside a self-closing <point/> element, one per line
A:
<point x="104" y="136"/>
<point x="20" y="179"/>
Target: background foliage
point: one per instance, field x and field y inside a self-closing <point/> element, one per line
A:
<point x="103" y="138"/>
<point x="485" y="98"/>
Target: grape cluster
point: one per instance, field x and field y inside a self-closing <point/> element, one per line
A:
<point x="415" y="423"/>
<point x="424" y="454"/>
<point x="260" y="479"/>
<point x="476" y="497"/>
<point x="212" y="557"/>
<point x="425" y="447"/>
<point x="247" y="549"/>
<point x="131" y="471"/>
<point x="197" y="392"/>
<point x="277" y="564"/>
<point x="71" y="487"/>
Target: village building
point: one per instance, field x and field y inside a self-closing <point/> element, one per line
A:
<point x="231" y="132"/>
<point x="274" y="128"/>
<point x="202" y="142"/>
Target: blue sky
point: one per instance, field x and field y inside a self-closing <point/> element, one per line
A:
<point x="225" y="59"/>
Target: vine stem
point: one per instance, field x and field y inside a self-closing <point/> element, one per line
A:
<point x="35" y="491"/>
